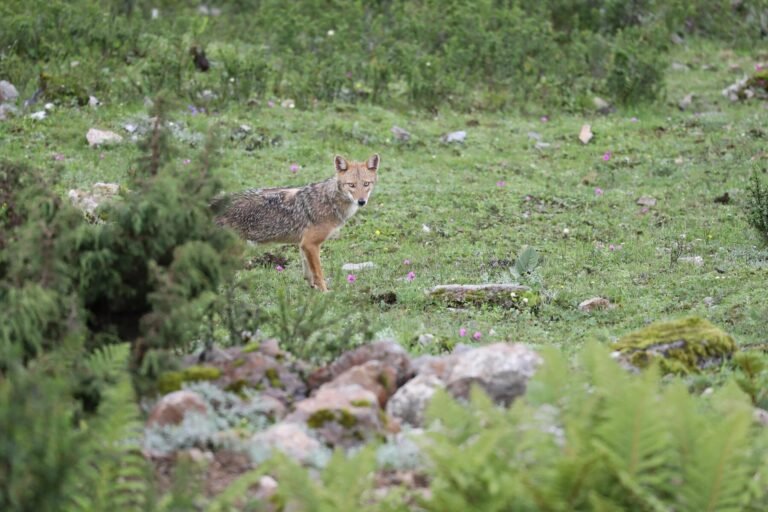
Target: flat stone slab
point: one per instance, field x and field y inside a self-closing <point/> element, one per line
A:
<point x="506" y="295"/>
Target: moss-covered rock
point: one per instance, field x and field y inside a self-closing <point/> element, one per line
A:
<point x="681" y="346"/>
<point x="508" y="296"/>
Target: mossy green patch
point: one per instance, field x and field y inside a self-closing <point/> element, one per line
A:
<point x="360" y="403"/>
<point x="251" y="347"/>
<point x="274" y="378"/>
<point x="343" y="417"/>
<point x="240" y="361"/>
<point x="173" y="381"/>
<point x="681" y="346"/>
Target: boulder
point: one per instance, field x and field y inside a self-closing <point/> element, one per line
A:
<point x="410" y="401"/>
<point x="502" y="370"/>
<point x="680" y="346"/>
<point x="389" y="353"/>
<point x="174" y="407"/>
<point x="291" y="439"/>
<point x="374" y="376"/>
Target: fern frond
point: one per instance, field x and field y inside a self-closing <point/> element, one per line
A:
<point x="112" y="473"/>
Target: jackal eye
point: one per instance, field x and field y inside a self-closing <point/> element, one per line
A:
<point x="366" y="184"/>
<point x="351" y="185"/>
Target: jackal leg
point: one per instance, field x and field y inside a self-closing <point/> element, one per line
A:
<point x="305" y="266"/>
<point x="311" y="253"/>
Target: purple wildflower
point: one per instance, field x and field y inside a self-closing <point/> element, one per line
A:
<point x="351" y="278"/>
<point x="411" y="276"/>
<point x="477" y="336"/>
<point x="462" y="332"/>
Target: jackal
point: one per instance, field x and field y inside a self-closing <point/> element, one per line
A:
<point x="306" y="216"/>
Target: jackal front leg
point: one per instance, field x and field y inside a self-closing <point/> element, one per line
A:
<point x="311" y="252"/>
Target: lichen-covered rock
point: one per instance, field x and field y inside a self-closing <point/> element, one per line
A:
<point x="88" y="200"/>
<point x="509" y="296"/>
<point x="172" y="408"/>
<point x="342" y="416"/>
<point x="375" y="376"/>
<point x="389" y="353"/>
<point x="411" y="400"/>
<point x="290" y="438"/>
<point x="680" y="346"/>
<point x="501" y="369"/>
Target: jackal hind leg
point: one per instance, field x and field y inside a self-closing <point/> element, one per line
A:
<point x="305" y="268"/>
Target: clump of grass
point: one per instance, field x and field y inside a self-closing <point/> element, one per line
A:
<point x="757" y="206"/>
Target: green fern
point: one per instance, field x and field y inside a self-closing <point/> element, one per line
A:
<point x="111" y="473"/>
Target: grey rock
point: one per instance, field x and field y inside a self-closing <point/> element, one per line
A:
<point x="174" y="407"/>
<point x="96" y="137"/>
<point x="358" y="266"/>
<point x="459" y="136"/>
<point x="410" y="402"/>
<point x="291" y="439"/>
<point x="501" y="369"/>
<point x="401" y="134"/>
<point x="8" y="93"/>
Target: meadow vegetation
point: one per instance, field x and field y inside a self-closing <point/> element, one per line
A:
<point x="664" y="213"/>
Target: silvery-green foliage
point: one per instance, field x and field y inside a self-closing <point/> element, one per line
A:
<point x="401" y="451"/>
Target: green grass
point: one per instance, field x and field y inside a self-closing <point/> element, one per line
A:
<point x="683" y="159"/>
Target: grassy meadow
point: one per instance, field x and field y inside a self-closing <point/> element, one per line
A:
<point x="460" y="212"/>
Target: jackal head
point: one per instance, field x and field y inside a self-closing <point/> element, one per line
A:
<point x="356" y="179"/>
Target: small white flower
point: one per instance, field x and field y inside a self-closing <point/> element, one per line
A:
<point x="331" y="33"/>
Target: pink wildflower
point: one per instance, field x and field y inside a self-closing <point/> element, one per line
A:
<point x="294" y="167"/>
<point x="187" y="161"/>
<point x="351" y="278"/>
<point x="411" y="276"/>
<point x="607" y="156"/>
<point x="598" y="191"/>
<point x="501" y="183"/>
<point x="406" y="262"/>
<point x="279" y="268"/>
<point x="462" y="332"/>
<point x="544" y="119"/>
<point x="477" y="336"/>
<point x="58" y="156"/>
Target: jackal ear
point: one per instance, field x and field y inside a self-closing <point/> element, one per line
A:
<point x="340" y="163"/>
<point x="373" y="162"/>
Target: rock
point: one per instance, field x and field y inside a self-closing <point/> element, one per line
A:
<point x="510" y="296"/>
<point x="501" y="369"/>
<point x="93" y="101"/>
<point x="257" y="370"/>
<point x="426" y="339"/>
<point x="358" y="266"/>
<point x="595" y="303"/>
<point x="646" y="201"/>
<point x="410" y="401"/>
<point x="7" y="110"/>
<point x="678" y="66"/>
<point x="388" y="352"/>
<point x="96" y="137"/>
<point x="291" y="439"/>
<point x="686" y="101"/>
<point x="89" y="200"/>
<point x="534" y="136"/>
<point x="400" y="134"/>
<point x="600" y="103"/>
<point x="173" y="407"/>
<point x="39" y="115"/>
<point x="585" y="135"/>
<point x="692" y="260"/>
<point x="342" y="416"/>
<point x="459" y="136"/>
<point x="437" y="366"/>
<point x="739" y="90"/>
<point x="680" y="346"/>
<point x="8" y="93"/>
<point x="374" y="376"/>
<point x="761" y="416"/>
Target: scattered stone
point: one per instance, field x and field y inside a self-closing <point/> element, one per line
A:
<point x="388" y="352"/>
<point x="437" y="366"/>
<point x="600" y="103"/>
<point x="96" y="137"/>
<point x="374" y="376"/>
<point x="7" y="110"/>
<point x="505" y="295"/>
<point x="681" y="346"/>
<point x="130" y="127"/>
<point x="410" y="402"/>
<point x="173" y="407"/>
<point x="459" y="136"/>
<point x="290" y="438"/>
<point x="93" y="101"/>
<point x="426" y="340"/>
<point x="542" y="145"/>
<point x="49" y="106"/>
<point x="401" y="134"/>
<point x="534" y="136"/>
<point x="594" y="304"/>
<point x="358" y="266"/>
<point x="761" y="416"/>
<point x="39" y="115"/>
<point x="693" y="260"/>
<point x="502" y="370"/>
<point x="686" y="102"/>
<point x="8" y="93"/>
<point x="289" y="103"/>
<point x="646" y="201"/>
<point x="88" y="200"/>
<point x="679" y="66"/>
<point x="585" y="135"/>
<point x="709" y="301"/>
